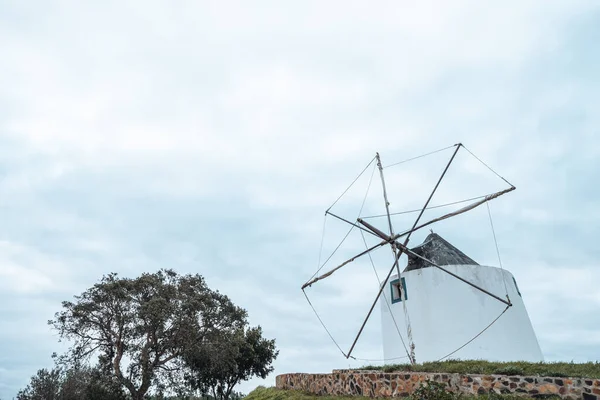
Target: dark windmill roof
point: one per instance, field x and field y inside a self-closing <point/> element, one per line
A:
<point x="438" y="250"/>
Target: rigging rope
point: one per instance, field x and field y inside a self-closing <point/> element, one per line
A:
<point x="498" y="251"/>
<point x="457" y="212"/>
<point x="428" y="208"/>
<point x="322" y="241"/>
<point x="338" y="246"/>
<point x="351" y="228"/>
<point x="423" y="155"/>
<point x="378" y="360"/>
<point x="323" y="324"/>
<point x="487" y="166"/>
<point x="332" y="254"/>
<point x="476" y="336"/>
<point x="353" y="182"/>
<point x="505" y="287"/>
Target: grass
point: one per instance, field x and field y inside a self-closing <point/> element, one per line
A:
<point x="262" y="393"/>
<point x="558" y="369"/>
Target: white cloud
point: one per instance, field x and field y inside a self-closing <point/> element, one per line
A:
<point x="27" y="271"/>
<point x="212" y="136"/>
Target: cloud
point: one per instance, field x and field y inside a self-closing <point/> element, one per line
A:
<point x="211" y="137"/>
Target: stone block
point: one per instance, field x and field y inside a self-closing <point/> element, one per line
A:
<point x="548" y="389"/>
<point x="562" y="391"/>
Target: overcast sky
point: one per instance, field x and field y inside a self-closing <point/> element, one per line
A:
<point x="210" y="137"/>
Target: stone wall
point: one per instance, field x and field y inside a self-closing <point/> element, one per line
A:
<point x="402" y="384"/>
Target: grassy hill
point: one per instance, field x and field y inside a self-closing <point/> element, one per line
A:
<point x="555" y="369"/>
<point x="263" y="393"/>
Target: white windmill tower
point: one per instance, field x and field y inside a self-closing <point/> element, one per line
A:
<point x="448" y="319"/>
<point x="443" y="304"/>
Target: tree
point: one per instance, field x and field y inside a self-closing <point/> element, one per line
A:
<point x="231" y="358"/>
<point x="90" y="384"/>
<point x="45" y="385"/>
<point x="73" y="384"/>
<point x="140" y="328"/>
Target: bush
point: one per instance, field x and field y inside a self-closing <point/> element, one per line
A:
<point x="554" y="369"/>
<point x="510" y="370"/>
<point x="430" y="390"/>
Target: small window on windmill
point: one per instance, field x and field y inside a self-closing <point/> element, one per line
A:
<point x="398" y="288"/>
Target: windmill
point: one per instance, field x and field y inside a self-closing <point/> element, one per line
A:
<point x="442" y="303"/>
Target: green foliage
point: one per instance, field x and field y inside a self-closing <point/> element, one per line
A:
<point x="230" y="358"/>
<point x="163" y="333"/>
<point x="262" y="393"/>
<point x="90" y="384"/>
<point x="510" y="370"/>
<point x="558" y="369"/>
<point x="496" y="396"/>
<point x="431" y="390"/>
<point x="44" y="385"/>
<point x="72" y="384"/>
<point x="233" y="396"/>
<point x="425" y="392"/>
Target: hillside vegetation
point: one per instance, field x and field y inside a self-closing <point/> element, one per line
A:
<point x="262" y="393"/>
<point x="555" y="369"/>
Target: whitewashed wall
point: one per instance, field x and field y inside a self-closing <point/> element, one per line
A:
<point x="445" y="313"/>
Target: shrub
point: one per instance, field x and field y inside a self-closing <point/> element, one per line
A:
<point x="430" y="390"/>
<point x="509" y="370"/>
